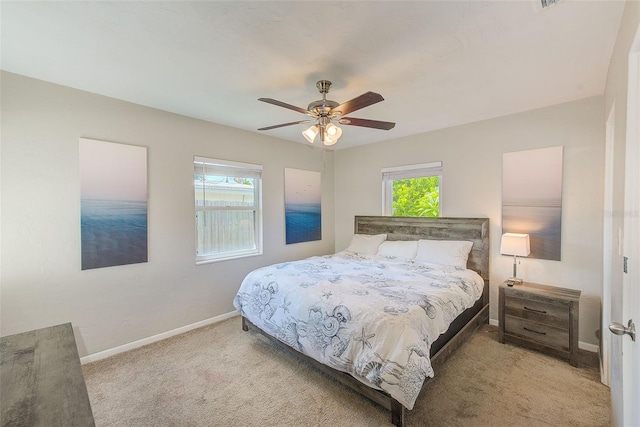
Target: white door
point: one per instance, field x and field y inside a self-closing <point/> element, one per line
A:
<point x="625" y="299"/>
<point x="631" y="280"/>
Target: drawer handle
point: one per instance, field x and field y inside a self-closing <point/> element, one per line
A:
<point x="537" y="311"/>
<point x="535" y="332"/>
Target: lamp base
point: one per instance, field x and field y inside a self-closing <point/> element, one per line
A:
<point x="514" y="281"/>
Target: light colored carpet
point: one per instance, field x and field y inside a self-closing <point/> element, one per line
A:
<point x="221" y="376"/>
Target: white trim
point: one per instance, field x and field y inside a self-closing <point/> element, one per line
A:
<point x="609" y="248"/>
<point x="225" y="168"/>
<point x="408" y="172"/>
<point x="245" y="254"/>
<point x="155" y="338"/>
<point x="227" y="163"/>
<point x="593" y="348"/>
<point x="163" y="336"/>
<point x="429" y="165"/>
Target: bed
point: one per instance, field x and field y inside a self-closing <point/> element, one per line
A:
<point x="376" y="317"/>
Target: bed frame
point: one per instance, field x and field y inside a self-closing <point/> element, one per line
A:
<point x="405" y="228"/>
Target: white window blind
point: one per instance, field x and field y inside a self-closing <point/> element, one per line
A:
<point x="204" y="166"/>
<point x="228" y="209"/>
<point x="415" y="171"/>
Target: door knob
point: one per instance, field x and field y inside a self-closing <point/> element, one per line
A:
<point x="619" y="329"/>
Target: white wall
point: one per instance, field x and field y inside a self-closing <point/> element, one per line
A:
<point x="472" y="186"/>
<point x="41" y="280"/>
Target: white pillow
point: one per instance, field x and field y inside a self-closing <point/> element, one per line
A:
<point x="366" y="244"/>
<point x="398" y="249"/>
<point x="446" y="252"/>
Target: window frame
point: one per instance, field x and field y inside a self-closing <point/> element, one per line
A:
<point x="421" y="170"/>
<point x="229" y="168"/>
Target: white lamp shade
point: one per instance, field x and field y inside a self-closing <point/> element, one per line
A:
<point x="515" y="244"/>
<point x="333" y="131"/>
<point x="311" y="133"/>
<point x="331" y="134"/>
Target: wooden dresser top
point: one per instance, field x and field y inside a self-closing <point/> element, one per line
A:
<point x="42" y="381"/>
<point x="550" y="291"/>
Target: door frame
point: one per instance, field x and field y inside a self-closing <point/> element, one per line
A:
<point x="609" y="247"/>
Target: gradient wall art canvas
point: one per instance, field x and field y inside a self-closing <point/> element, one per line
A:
<point x="302" y="206"/>
<point x="532" y="199"/>
<point x="113" y="204"/>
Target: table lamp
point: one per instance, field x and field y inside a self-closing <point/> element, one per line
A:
<point x="517" y="245"/>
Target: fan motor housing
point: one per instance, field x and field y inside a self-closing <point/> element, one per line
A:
<point x="322" y="106"/>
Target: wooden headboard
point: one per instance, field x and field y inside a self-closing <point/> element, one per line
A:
<point x="475" y="230"/>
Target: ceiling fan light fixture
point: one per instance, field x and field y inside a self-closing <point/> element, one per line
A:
<point x="311" y="133"/>
<point x="325" y="111"/>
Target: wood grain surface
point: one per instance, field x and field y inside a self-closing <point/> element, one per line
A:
<point x="41" y="380"/>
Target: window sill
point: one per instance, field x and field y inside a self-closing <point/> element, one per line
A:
<point x="227" y="258"/>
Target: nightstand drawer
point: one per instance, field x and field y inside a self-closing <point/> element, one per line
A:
<point x="537" y="332"/>
<point x="550" y="313"/>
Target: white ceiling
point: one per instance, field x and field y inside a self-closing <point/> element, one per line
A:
<point x="437" y="63"/>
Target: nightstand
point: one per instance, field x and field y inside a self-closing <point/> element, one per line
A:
<point x="541" y="317"/>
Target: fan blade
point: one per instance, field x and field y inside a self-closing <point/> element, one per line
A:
<point x="285" y="124"/>
<point x="358" y="102"/>
<point x="376" y="124"/>
<point x="283" y="104"/>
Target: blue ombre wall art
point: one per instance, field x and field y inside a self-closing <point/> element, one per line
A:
<point x="302" y="205"/>
<point x="113" y="204"/>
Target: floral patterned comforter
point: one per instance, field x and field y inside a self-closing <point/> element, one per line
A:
<point x="372" y="317"/>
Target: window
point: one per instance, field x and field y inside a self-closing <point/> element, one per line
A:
<point x="412" y="190"/>
<point x="228" y="209"/>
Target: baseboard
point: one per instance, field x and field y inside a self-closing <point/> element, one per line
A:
<point x="155" y="338"/>
<point x="159" y="337"/>
<point x="593" y="348"/>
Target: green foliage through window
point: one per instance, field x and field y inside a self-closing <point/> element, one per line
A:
<point x="417" y="196"/>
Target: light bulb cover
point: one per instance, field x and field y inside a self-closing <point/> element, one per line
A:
<point x="333" y="130"/>
<point x="311" y="133"/>
<point x="332" y="134"/>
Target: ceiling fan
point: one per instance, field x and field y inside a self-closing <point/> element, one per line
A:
<point x="325" y="112"/>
